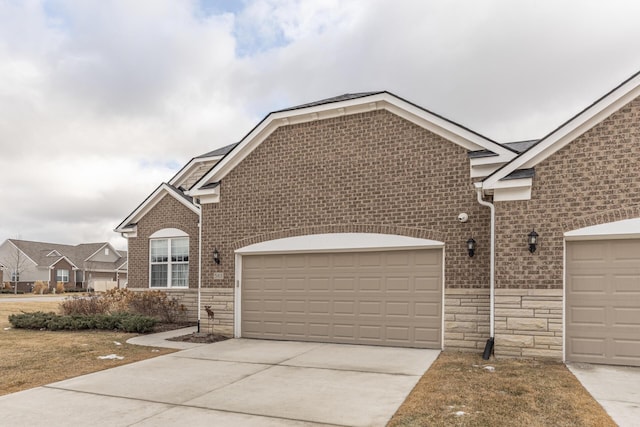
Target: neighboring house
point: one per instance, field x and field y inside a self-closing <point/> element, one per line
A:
<point x="349" y="220"/>
<point x="78" y="266"/>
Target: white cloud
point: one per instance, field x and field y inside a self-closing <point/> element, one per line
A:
<point x="102" y="101"/>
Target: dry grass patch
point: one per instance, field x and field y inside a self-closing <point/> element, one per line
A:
<point x="34" y="358"/>
<point x="458" y="391"/>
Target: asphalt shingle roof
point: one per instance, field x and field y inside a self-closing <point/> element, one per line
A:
<point x="39" y="253"/>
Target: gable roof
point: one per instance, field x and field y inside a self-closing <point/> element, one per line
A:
<point x="342" y="105"/>
<point x="40" y="253"/>
<point x="586" y="119"/>
<point x="164" y="189"/>
<point x="207" y="159"/>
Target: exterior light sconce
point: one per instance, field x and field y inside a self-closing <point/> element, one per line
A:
<point x="216" y="256"/>
<point x="532" y="240"/>
<point x="471" y="246"/>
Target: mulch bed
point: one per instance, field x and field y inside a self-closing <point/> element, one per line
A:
<point x="200" y="338"/>
<point x="194" y="337"/>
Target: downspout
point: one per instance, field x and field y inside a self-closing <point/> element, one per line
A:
<point x="488" y="349"/>
<point x="197" y="202"/>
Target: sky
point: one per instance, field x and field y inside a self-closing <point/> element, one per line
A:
<point x="102" y="100"/>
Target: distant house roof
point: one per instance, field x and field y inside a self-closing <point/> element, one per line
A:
<point x="48" y="254"/>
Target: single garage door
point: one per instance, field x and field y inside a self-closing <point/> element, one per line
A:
<point x="603" y="302"/>
<point x="391" y="298"/>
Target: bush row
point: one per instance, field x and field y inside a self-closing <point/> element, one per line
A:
<point x="155" y="304"/>
<point x="126" y="322"/>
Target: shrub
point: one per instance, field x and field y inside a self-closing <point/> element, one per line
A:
<point x="137" y="323"/>
<point x="35" y="320"/>
<point x="118" y="321"/>
<point x="7" y="286"/>
<point x="40" y="288"/>
<point x="117" y="299"/>
<point x="157" y="304"/>
<point x="84" y="305"/>
<point x="60" y="288"/>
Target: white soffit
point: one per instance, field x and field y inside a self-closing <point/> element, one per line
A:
<point x="628" y="228"/>
<point x="340" y="242"/>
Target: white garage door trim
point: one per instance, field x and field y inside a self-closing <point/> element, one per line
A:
<point x="624" y="229"/>
<point x="330" y="242"/>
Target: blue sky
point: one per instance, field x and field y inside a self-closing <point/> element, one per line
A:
<point x="101" y="101"/>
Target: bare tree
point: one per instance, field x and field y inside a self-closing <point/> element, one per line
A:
<point x="15" y="262"/>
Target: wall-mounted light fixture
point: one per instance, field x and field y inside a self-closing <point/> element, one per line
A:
<point x="216" y="256"/>
<point x="471" y="246"/>
<point x="532" y="240"/>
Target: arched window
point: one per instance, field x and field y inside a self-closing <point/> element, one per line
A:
<point x="169" y="259"/>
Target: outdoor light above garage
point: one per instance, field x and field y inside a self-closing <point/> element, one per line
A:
<point x="533" y="241"/>
<point x="471" y="246"/>
<point x="216" y="256"/>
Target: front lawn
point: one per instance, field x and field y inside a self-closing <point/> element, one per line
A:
<point x="464" y="390"/>
<point x="34" y="358"/>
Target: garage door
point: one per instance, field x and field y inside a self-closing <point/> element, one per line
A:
<point x="391" y="298"/>
<point x="603" y="302"/>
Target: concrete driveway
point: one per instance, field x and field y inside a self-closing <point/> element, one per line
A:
<point x="236" y="382"/>
<point x="616" y="388"/>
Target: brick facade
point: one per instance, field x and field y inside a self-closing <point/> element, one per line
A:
<point x="372" y="172"/>
<point x="168" y="213"/>
<point x="591" y="181"/>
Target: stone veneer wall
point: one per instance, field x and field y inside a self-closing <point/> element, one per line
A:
<point x="528" y="323"/>
<point x="466" y="319"/>
<point x="220" y="300"/>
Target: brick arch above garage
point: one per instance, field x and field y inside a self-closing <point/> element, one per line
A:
<point x="604" y="217"/>
<point x="339" y="228"/>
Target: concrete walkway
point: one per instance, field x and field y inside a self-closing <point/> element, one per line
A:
<point x="616" y="388"/>
<point x="236" y="382"/>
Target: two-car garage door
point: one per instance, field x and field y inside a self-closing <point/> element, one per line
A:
<point x="391" y="297"/>
<point x="603" y="301"/>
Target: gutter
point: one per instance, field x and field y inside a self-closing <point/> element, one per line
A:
<point x="489" y="346"/>
<point x="197" y="203"/>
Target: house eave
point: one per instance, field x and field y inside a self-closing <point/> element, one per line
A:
<point x="570" y="130"/>
<point x="378" y="101"/>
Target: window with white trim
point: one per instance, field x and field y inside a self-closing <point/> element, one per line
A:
<point x="169" y="262"/>
<point x="62" y="275"/>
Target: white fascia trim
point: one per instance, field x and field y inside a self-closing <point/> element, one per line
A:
<point x="571" y="130"/>
<point x="444" y="128"/>
<point x="101" y="248"/>
<point x="625" y="229"/>
<point x="386" y="101"/>
<point x="73" y="266"/>
<point x="189" y="167"/>
<point x="339" y="242"/>
<point x="23" y="253"/>
<point x="151" y="202"/>
<point x="480" y="171"/>
<point x="511" y="194"/>
<point x="514" y="183"/>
